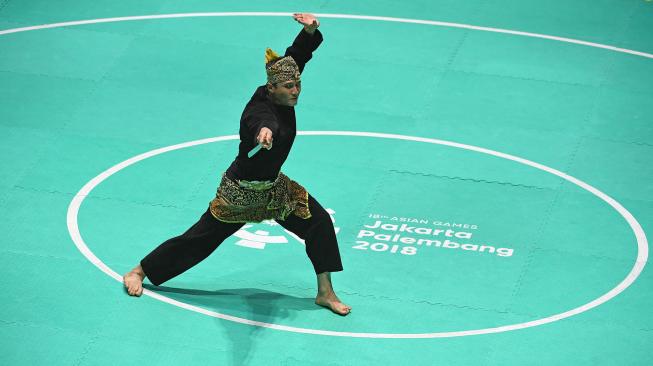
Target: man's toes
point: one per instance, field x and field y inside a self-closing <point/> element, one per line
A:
<point x="342" y="309"/>
<point x="133" y="289"/>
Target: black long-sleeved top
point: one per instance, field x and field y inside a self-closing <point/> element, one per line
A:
<point x="261" y="112"/>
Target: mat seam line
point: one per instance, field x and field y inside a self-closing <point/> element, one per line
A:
<point x="477" y="180"/>
<point x="537" y="235"/>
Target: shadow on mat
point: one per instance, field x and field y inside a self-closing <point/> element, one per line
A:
<point x="249" y="303"/>
<point x="253" y="300"/>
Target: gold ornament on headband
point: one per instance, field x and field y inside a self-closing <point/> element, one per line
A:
<point x="270" y="55"/>
<point x="280" y="69"/>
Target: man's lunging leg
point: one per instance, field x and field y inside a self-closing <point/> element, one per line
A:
<point x="322" y="249"/>
<point x="178" y="254"/>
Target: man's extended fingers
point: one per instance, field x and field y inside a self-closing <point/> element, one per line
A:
<point x="266" y="140"/>
<point x="264" y="134"/>
<point x="306" y="19"/>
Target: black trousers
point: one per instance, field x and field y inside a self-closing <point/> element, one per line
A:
<point x="178" y="254"/>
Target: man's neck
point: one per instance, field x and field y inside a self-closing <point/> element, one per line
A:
<point x="270" y="98"/>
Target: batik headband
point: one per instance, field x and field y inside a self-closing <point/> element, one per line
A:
<point x="280" y="69"/>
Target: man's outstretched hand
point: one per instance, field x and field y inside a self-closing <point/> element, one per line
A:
<point x="265" y="138"/>
<point x="309" y="21"/>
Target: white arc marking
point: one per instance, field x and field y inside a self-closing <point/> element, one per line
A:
<point x="336" y="16"/>
<point x="640" y="262"/>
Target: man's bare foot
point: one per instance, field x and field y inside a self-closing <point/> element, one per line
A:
<point x="133" y="281"/>
<point x="331" y="301"/>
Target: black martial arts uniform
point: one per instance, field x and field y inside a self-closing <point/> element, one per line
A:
<point x="180" y="253"/>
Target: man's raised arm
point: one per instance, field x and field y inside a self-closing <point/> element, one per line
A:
<point x="307" y="41"/>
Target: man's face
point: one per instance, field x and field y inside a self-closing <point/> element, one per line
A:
<point x="285" y="93"/>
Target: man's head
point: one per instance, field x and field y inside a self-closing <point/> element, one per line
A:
<point x="284" y="84"/>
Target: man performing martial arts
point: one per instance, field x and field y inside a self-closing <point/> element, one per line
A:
<point x="254" y="189"/>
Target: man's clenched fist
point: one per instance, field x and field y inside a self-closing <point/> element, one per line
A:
<point x="265" y="138"/>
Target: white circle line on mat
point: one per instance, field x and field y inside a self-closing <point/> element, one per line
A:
<point x="336" y="16"/>
<point x="640" y="262"/>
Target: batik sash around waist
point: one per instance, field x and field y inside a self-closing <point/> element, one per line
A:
<point x="254" y="201"/>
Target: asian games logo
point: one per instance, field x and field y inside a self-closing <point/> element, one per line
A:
<point x="252" y="237"/>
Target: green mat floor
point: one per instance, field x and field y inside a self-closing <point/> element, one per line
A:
<point x="491" y="191"/>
